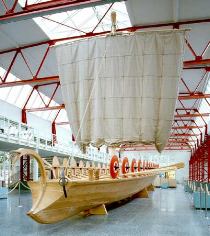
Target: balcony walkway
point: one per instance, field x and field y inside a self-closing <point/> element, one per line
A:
<point x="14" y="135"/>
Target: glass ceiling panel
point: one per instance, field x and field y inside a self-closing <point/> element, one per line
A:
<point x="78" y="22"/>
<point x="18" y="96"/>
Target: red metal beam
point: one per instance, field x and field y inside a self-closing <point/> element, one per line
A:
<point x="193" y="96"/>
<point x="5" y="5"/>
<point x="189" y="143"/>
<point x="53" y="128"/>
<point x="92" y="34"/>
<point x="178" y="140"/>
<point x="53" y="94"/>
<point x="49" y="7"/>
<point x="207" y="68"/>
<point x="196" y="62"/>
<point x="184" y="83"/>
<point x="187" y="135"/>
<point x="154" y="149"/>
<point x="29" y="96"/>
<point x="187" y="109"/>
<point x="176" y="144"/>
<point x="151" y="147"/>
<point x="56" y="6"/>
<point x="187" y="127"/>
<point x="184" y="120"/>
<point x="179" y="146"/>
<point x="36" y="81"/>
<point x="192" y="115"/>
<point x="46" y="108"/>
<point x="187" y="131"/>
<point x="182" y="145"/>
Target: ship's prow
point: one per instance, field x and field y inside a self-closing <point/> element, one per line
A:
<point x="37" y="218"/>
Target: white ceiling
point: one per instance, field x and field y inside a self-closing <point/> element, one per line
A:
<point x="144" y="12"/>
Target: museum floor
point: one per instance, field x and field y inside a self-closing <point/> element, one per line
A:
<point x="166" y="212"/>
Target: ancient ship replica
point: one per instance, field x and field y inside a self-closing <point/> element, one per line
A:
<point x="84" y="189"/>
<point x="118" y="89"/>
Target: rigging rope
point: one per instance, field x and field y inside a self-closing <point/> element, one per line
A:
<point x="88" y="103"/>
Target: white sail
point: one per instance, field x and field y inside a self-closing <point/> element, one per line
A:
<point x="123" y="88"/>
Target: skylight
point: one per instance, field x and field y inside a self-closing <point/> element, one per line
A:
<point x="78" y="22"/>
<point x="18" y="96"/>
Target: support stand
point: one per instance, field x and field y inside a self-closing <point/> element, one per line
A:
<point x="99" y="210"/>
<point x="142" y="194"/>
<point x="19" y="205"/>
<point x="151" y="188"/>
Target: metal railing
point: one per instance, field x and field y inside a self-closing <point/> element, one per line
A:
<point x="24" y="135"/>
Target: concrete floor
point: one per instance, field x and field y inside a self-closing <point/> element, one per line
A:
<point x="166" y="212"/>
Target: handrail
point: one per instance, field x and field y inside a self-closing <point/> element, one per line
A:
<point x="16" y="132"/>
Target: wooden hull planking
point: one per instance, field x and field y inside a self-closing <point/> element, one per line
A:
<point x="82" y="195"/>
<point x="85" y="193"/>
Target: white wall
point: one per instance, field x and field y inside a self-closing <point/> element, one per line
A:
<point x="63" y="135"/>
<point x="10" y="111"/>
<point x="165" y="158"/>
<point x="44" y="127"/>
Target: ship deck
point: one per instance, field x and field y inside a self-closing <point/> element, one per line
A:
<point x="165" y="212"/>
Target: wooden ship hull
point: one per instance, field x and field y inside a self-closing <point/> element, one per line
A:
<point x="82" y="196"/>
<point x="53" y="201"/>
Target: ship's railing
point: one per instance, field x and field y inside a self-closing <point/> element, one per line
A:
<point x="22" y="134"/>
